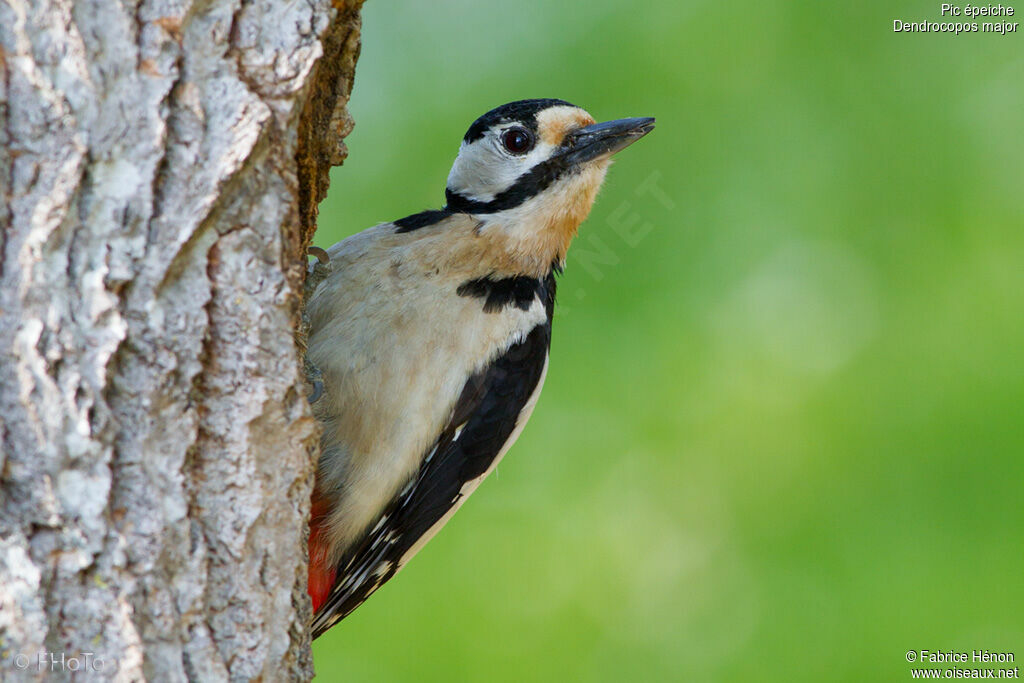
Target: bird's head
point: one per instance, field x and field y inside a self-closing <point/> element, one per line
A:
<point x="530" y="170"/>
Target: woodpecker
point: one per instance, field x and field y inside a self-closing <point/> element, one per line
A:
<point x="431" y="335"/>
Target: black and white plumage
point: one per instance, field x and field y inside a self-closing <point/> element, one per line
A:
<point x="432" y="337"/>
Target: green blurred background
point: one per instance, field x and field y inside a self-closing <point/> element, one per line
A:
<point x="782" y="436"/>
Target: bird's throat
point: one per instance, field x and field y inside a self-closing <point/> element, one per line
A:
<point x="538" y="232"/>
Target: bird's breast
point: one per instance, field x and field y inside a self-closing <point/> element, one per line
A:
<point x="396" y="348"/>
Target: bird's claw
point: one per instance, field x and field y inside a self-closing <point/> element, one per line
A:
<point x="321" y="255"/>
<point x="317" y="392"/>
<point x="316" y="271"/>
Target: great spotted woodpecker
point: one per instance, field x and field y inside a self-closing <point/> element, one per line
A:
<point x="432" y="336"/>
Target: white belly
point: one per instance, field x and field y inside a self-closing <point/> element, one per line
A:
<point x="395" y="352"/>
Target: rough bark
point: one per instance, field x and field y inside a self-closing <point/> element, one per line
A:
<point x="160" y="164"/>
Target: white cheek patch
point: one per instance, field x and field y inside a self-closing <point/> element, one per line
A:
<point x="483" y="170"/>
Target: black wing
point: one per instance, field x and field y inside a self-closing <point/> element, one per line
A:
<point x="483" y="420"/>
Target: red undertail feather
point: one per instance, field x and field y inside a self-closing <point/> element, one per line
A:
<point x="321" y="574"/>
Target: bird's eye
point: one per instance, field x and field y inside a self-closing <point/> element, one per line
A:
<point x="517" y="140"/>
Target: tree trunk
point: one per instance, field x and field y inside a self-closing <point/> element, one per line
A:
<point x="160" y="167"/>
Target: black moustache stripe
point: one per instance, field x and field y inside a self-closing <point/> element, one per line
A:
<point x="422" y="219"/>
<point x="528" y="185"/>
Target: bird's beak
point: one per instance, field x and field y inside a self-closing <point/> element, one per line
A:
<point x="604" y="139"/>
